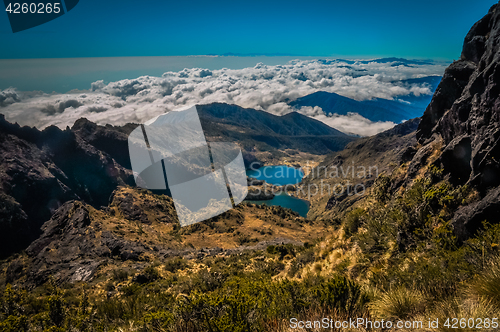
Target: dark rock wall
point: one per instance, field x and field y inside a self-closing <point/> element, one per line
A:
<point x="41" y="170"/>
<point x="465" y="114"/>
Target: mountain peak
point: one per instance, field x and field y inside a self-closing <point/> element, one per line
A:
<point x="294" y="125"/>
<point x="377" y="109"/>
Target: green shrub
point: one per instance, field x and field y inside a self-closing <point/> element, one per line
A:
<point x="464" y="310"/>
<point x="14" y="324"/>
<point x="120" y="275"/>
<point x="11" y="301"/>
<point x="249" y="303"/>
<point x="282" y="250"/>
<point x="151" y="272"/>
<point x="175" y="264"/>
<point x="381" y="189"/>
<point x="206" y="281"/>
<point x="159" y="320"/>
<point x="340" y="294"/>
<point x="353" y="221"/>
<point x="56" y="308"/>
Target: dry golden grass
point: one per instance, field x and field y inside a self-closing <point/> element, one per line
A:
<point x="486" y="286"/>
<point x="246" y="225"/>
<point x="400" y="303"/>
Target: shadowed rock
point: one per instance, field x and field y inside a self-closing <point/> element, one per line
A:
<point x="465" y="114"/>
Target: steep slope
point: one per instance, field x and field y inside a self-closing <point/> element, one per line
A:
<point x="428" y="229"/>
<point x="464" y="115"/>
<point x="346" y="177"/>
<point x="138" y="226"/>
<point x="438" y="191"/>
<point x="457" y="140"/>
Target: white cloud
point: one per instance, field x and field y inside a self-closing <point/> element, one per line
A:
<point x="261" y="87"/>
<point x="8" y="96"/>
<point x="355" y="124"/>
<point x="352" y="123"/>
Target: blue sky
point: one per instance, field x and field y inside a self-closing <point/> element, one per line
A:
<point x="412" y="29"/>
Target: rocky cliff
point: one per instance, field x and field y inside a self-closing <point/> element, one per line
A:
<point x="464" y="117"/>
<point x="41" y="170"/>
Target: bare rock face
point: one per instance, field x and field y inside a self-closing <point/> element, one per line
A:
<point x="452" y="84"/>
<point x="141" y="209"/>
<point x="67" y="249"/>
<point x="468" y="219"/>
<point x="465" y="108"/>
<point x="70" y="220"/>
<point x="465" y="114"/>
<point x="109" y="139"/>
<point x="74" y="243"/>
<point x="41" y="170"/>
<point x="13" y="222"/>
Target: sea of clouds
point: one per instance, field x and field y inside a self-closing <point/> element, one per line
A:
<point x="268" y="88"/>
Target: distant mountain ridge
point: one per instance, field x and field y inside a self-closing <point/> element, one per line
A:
<point x="262" y="131"/>
<point x="377" y="109"/>
<point x="293" y="124"/>
<point x="394" y="61"/>
<point x="373" y="110"/>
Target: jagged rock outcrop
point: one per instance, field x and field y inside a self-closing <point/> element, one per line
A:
<point x="109" y="139"/>
<point x="41" y="170"/>
<point x="465" y="114"/>
<point x="74" y="243"/>
<point x="79" y="238"/>
<point x="145" y="211"/>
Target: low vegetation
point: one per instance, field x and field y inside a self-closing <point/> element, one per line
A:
<point x="392" y="256"/>
<point x="236" y="293"/>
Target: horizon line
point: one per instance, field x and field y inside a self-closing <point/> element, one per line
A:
<point x="253" y="55"/>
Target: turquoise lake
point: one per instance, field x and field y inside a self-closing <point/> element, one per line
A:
<point x="281" y="175"/>
<point x="277" y="175"/>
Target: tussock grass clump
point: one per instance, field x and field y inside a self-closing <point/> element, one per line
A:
<point x="464" y="315"/>
<point x="487" y="285"/>
<point x="400" y="303"/>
